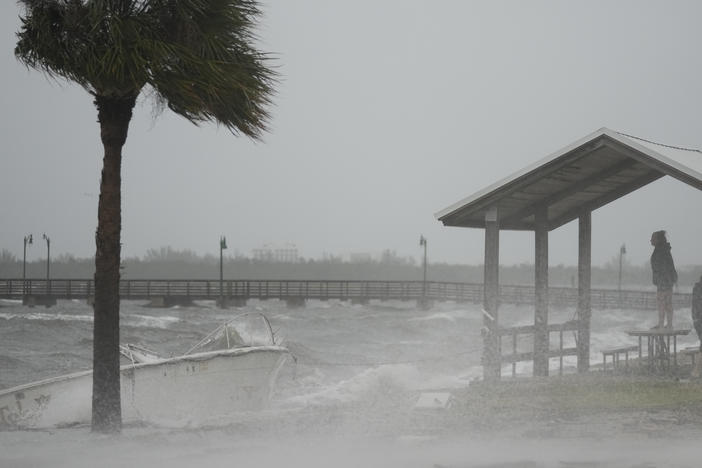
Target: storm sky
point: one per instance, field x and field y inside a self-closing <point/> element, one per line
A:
<point x="386" y="113"/>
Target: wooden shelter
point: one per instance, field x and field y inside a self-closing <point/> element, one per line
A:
<point x="566" y="185"/>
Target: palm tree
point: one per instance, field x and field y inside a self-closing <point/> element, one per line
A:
<point x="194" y="56"/>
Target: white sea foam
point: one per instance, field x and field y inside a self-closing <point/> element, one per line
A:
<point x="375" y="380"/>
<point x="282" y="317"/>
<point x="163" y="321"/>
<point x="11" y="302"/>
<point x="46" y="316"/>
<point x="451" y="381"/>
<point x="437" y="316"/>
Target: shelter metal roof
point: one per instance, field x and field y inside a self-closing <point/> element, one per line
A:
<point x="583" y="176"/>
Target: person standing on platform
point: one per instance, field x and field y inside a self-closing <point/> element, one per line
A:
<point x="664" y="277"/>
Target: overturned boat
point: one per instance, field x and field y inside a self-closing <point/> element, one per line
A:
<point x="233" y="369"/>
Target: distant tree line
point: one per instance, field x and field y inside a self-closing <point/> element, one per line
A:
<point x="168" y="263"/>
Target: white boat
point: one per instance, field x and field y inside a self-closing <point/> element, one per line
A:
<point x="233" y="369"/>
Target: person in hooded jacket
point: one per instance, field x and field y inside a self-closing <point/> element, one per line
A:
<point x="664" y="277"/>
<point x="697" y="322"/>
<point x="697" y="309"/>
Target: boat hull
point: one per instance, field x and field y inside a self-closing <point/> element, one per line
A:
<point x="188" y="390"/>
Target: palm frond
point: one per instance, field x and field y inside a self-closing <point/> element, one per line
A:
<point x="197" y="55"/>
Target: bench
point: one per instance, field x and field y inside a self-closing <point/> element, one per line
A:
<point x="691" y="351"/>
<point x="616" y="354"/>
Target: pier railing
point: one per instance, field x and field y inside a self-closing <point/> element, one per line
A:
<point x="514" y="356"/>
<point x="327" y="289"/>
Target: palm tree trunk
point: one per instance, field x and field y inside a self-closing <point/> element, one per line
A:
<point x="114" y="115"/>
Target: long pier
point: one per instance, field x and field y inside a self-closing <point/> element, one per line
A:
<point x="296" y="292"/>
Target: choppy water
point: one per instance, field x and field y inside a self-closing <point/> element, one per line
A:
<point x="346" y="401"/>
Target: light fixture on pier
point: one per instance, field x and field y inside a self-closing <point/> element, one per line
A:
<point x="27" y="241"/>
<point x="222" y="246"/>
<point x="423" y="242"/>
<point x="48" y="255"/>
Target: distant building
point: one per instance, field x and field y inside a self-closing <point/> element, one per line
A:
<point x="270" y="253"/>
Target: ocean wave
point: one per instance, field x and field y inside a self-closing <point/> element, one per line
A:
<point x="46" y="317"/>
<point x="371" y="383"/>
<point x="7" y="362"/>
<point x="150" y="321"/>
<point x="283" y="317"/>
<point x="436" y="316"/>
<point x="10" y="302"/>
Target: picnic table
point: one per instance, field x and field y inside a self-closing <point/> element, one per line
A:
<point x="616" y="354"/>
<point x="658" y="345"/>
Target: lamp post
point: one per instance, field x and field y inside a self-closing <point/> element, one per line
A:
<point x="622" y="251"/>
<point x="222" y="246"/>
<point x="27" y="240"/>
<point x="48" y="255"/>
<point x="423" y="242"/>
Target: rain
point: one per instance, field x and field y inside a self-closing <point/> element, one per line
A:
<point x="336" y="262"/>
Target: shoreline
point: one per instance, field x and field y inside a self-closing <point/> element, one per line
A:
<point x="592" y="405"/>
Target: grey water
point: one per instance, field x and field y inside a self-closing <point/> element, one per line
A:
<point x="346" y="399"/>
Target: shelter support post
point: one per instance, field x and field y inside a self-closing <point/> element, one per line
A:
<point x="541" y="338"/>
<point x="584" y="277"/>
<point x="491" y="338"/>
